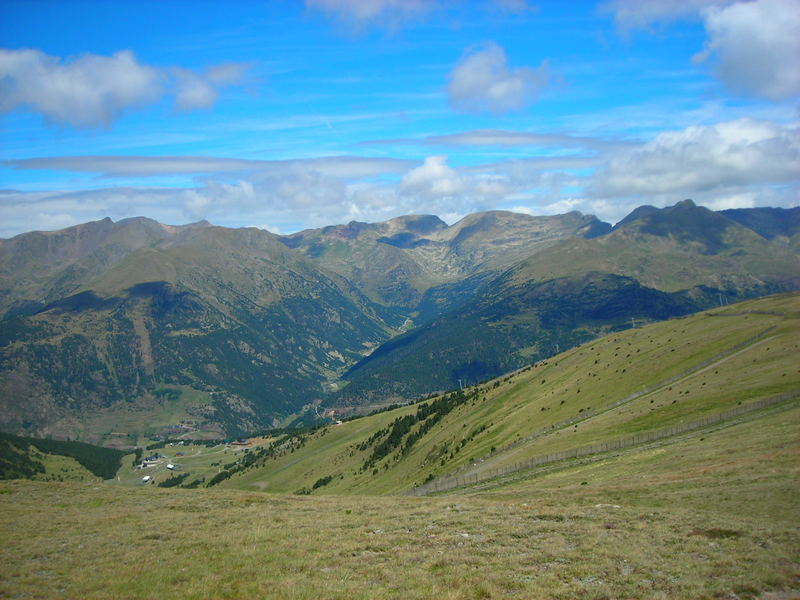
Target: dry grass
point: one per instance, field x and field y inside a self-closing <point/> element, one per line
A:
<point x="609" y="540"/>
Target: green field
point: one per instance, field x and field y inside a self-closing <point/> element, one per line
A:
<point x="709" y="509"/>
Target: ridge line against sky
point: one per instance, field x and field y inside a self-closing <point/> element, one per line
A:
<point x="288" y="115"/>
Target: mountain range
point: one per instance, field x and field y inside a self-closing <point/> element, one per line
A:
<point x="111" y="331"/>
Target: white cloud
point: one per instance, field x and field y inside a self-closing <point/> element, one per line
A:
<point x="503" y="137"/>
<point x="754" y="47"/>
<point x="483" y="81"/>
<point x="742" y="152"/>
<point x="638" y="14"/>
<point x="87" y="91"/>
<point x="93" y="91"/>
<point x="734" y="200"/>
<point x="563" y="205"/>
<point x="198" y="91"/>
<point x="509" y="138"/>
<point x="358" y="15"/>
<point x="739" y="163"/>
<point x="192" y="91"/>
<point x="433" y="179"/>
<point x="349" y="167"/>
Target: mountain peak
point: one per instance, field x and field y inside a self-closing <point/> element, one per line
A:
<point x="684" y="221"/>
<point x="419" y="224"/>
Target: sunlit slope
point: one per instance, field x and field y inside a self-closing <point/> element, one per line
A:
<point x="669" y="374"/>
<point x="55" y="460"/>
<point x="677" y="248"/>
<point x="396" y="261"/>
<point x="748" y="466"/>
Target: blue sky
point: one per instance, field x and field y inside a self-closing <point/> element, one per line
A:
<point x="287" y="114"/>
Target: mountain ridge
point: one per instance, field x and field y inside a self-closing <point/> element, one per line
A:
<point x="238" y="329"/>
<point x="686" y="256"/>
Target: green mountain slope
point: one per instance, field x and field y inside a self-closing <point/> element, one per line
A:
<point x="677" y="248"/>
<point x="232" y="314"/>
<point x="669" y="379"/>
<point x="782" y="224"/>
<point x="505" y="326"/>
<point x="115" y="331"/>
<point x="41" y="267"/>
<point x="656" y="263"/>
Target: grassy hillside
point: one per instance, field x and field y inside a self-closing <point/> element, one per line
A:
<point x="637" y="381"/>
<point x="710" y="516"/>
<point x="621" y="536"/>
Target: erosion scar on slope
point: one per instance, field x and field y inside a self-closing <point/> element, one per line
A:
<point x="144" y="344"/>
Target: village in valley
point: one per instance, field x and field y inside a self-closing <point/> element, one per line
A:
<point x="185" y="461"/>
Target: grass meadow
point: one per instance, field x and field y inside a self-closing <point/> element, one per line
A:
<point x="661" y="523"/>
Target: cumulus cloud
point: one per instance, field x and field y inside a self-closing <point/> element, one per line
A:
<point x="483" y="81"/>
<point x="436" y="187"/>
<point x="700" y="158"/>
<point x="93" y="91"/>
<point x="201" y="90"/>
<point x="87" y="91"/>
<point x="433" y="179"/>
<point x="754" y="47"/>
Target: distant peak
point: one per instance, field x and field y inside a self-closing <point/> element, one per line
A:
<point x="421" y="224"/>
<point x="201" y="223"/>
<point x="131" y="220"/>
